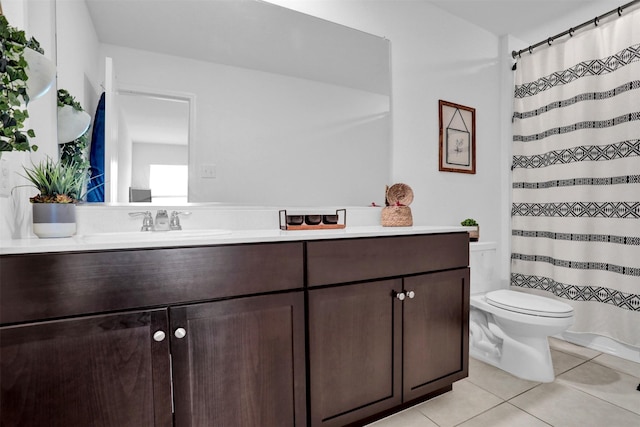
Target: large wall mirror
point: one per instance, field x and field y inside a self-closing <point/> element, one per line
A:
<point x="283" y="109"/>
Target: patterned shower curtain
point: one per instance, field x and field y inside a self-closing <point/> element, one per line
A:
<point x="576" y="176"/>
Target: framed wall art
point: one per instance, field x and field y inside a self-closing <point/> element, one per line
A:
<point x="457" y="138"/>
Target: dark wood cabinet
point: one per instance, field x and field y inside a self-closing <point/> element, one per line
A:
<point x="321" y="333"/>
<point x="376" y="346"/>
<point x="240" y="362"/>
<point x="94" y="371"/>
<point x="436" y="332"/>
<point x="355" y="344"/>
<point x="73" y="355"/>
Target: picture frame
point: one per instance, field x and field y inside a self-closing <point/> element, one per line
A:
<point x="457" y="138"/>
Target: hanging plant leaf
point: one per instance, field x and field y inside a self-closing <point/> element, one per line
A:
<point x="13" y="87"/>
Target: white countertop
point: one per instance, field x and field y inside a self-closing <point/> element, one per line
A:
<point x="109" y="241"/>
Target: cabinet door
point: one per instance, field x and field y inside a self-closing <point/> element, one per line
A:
<point x="94" y="371"/>
<point x="436" y="331"/>
<point x="354" y="351"/>
<point x="240" y="362"/>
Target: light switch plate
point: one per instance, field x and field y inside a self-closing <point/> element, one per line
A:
<point x="207" y="171"/>
<point x="6" y="183"/>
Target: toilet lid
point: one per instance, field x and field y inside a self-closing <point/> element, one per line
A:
<point x="528" y="304"/>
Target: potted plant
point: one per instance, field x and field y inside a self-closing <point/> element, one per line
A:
<point x="60" y="185"/>
<point x="73" y="121"/>
<point x="474" y="235"/>
<point x="21" y="60"/>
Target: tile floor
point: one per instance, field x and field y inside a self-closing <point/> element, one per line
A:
<point x="590" y="389"/>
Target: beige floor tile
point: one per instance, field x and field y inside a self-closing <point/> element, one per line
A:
<point x="497" y="381"/>
<point x="619" y="364"/>
<point x="562" y="406"/>
<point x="562" y="362"/>
<point x="409" y="418"/>
<point x="605" y="383"/>
<point x="575" y="350"/>
<point x="464" y="402"/>
<point x="505" y="415"/>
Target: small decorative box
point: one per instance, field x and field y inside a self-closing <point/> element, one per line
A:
<point x="313" y="221"/>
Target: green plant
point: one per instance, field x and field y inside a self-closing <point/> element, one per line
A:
<point x="469" y="222"/>
<point x="65" y="98"/>
<point x="57" y="182"/>
<point x="13" y="88"/>
<point x="73" y="151"/>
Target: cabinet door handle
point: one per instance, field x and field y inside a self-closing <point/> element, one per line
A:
<point x="180" y="333"/>
<point x="159" y="336"/>
<point x="399" y="295"/>
<point x="411" y="294"/>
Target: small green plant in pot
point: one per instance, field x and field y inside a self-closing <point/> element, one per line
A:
<point x="60" y="185"/>
<point x="474" y="235"/>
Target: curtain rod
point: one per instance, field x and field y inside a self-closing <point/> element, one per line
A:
<point x="571" y="30"/>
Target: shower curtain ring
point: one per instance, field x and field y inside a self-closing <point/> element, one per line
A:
<point x="530" y="50"/>
<point x="619" y="11"/>
<point x="549" y="41"/>
<point x="595" y="21"/>
<point x="571" y="32"/>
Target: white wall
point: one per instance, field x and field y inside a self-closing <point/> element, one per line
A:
<point x="126" y="167"/>
<point x="78" y="63"/>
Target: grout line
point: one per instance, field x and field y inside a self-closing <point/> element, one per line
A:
<point x="615" y="369"/>
<point x="569" y="385"/>
<point x="570" y="369"/>
<point x="520" y="409"/>
<point x="485" y="411"/>
<point x="599" y="398"/>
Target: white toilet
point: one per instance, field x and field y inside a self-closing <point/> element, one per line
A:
<point x="510" y="329"/>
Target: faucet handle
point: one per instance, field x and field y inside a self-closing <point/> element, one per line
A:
<point x="174" y="224"/>
<point x="147" y="221"/>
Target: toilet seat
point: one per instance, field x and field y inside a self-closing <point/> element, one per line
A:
<point x="524" y="303"/>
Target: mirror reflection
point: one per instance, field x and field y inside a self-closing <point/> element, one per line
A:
<point x="287" y="109"/>
<point x="156" y="127"/>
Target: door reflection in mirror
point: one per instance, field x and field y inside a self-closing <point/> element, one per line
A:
<point x="156" y="128"/>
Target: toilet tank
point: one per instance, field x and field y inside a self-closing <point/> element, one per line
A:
<point x="482" y="261"/>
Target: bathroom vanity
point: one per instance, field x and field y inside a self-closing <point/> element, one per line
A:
<point x="284" y="329"/>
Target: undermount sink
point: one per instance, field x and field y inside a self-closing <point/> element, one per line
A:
<point x="145" y="236"/>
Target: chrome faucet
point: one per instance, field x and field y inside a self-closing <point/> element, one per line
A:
<point x="175" y="220"/>
<point x="147" y="221"/>
<point x="162" y="221"/>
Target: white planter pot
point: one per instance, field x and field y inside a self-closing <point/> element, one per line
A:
<point x="54" y="219"/>
<point x="41" y="72"/>
<point x="71" y="123"/>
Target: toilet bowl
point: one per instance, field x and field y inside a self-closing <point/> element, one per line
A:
<point x="507" y="333"/>
<point x="509" y="329"/>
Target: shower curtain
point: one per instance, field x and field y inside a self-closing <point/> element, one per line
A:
<point x="576" y="176"/>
